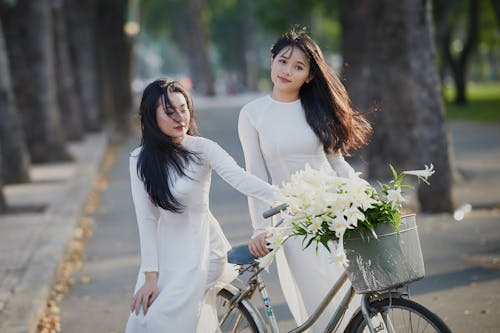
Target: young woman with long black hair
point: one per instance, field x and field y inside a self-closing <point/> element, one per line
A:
<point x="183" y="249"/>
<point x="308" y="118"/>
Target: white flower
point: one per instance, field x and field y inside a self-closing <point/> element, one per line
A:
<point x="276" y="237"/>
<point x="315" y="224"/>
<point x="395" y="197"/>
<point x="267" y="260"/>
<point x="422" y="174"/>
<point x="353" y="215"/>
<point x="338" y="224"/>
<point x="339" y="256"/>
<point x="319" y="198"/>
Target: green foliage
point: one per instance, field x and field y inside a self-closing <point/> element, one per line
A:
<point x="483" y="105"/>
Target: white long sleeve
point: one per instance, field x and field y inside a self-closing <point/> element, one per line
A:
<point x="147" y="219"/>
<point x="255" y="164"/>
<point x="340" y="165"/>
<point x="234" y="175"/>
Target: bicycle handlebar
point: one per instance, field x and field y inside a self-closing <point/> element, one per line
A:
<point x="274" y="210"/>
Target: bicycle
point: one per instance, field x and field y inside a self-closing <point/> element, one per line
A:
<point x="383" y="311"/>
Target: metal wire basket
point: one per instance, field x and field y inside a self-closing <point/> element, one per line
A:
<point x="391" y="261"/>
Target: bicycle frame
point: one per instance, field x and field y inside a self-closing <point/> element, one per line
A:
<point x="255" y="282"/>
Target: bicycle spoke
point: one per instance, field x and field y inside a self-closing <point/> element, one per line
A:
<point x="237" y="324"/>
<point x="402" y="316"/>
<point x="233" y="317"/>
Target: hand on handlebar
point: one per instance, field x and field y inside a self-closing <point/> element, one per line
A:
<point x="258" y="245"/>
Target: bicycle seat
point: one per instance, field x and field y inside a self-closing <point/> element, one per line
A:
<point x="240" y="255"/>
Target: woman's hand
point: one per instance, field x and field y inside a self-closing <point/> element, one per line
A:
<point x="258" y="245"/>
<point x="147" y="294"/>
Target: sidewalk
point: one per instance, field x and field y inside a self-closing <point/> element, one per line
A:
<point x="33" y="240"/>
<point x="34" y="237"/>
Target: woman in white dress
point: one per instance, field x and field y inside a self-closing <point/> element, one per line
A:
<point x="183" y="249"/>
<point x="308" y="118"/>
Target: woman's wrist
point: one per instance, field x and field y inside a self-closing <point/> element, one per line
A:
<point x="152" y="275"/>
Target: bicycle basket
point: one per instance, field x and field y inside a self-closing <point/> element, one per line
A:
<point x="391" y="261"/>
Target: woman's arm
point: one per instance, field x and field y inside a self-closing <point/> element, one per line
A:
<point x="248" y="184"/>
<point x="237" y="177"/>
<point x="340" y="165"/>
<point x="147" y="220"/>
<point x="255" y="164"/>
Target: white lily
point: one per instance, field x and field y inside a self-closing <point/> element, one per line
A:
<point x="395" y="197"/>
<point x="422" y="174"/>
<point x="339" y="255"/>
<point x="319" y="198"/>
<point x="276" y="237"/>
<point x="267" y="260"/>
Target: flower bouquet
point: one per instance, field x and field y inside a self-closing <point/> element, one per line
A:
<point x="329" y="211"/>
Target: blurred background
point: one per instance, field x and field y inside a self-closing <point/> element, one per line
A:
<point x="426" y="72"/>
<point x="71" y="67"/>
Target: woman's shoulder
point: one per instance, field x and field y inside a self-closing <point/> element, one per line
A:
<point x="256" y="105"/>
<point x="135" y="153"/>
<point x="197" y="143"/>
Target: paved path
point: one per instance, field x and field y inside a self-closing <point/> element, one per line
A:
<point x="462" y="257"/>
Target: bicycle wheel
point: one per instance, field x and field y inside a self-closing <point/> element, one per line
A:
<point x="404" y="315"/>
<point x="240" y="318"/>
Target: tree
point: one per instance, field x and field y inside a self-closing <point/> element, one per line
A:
<point x="456" y="49"/>
<point x="15" y="168"/>
<point x="3" y="202"/>
<point x="357" y="48"/>
<point x="114" y="63"/>
<point x="432" y="131"/>
<point x="67" y="95"/>
<point x="236" y="46"/>
<point x="396" y="69"/>
<point x="278" y="16"/>
<point x="80" y="22"/>
<point x="496" y="8"/>
<point x="28" y="31"/>
<point x="187" y="25"/>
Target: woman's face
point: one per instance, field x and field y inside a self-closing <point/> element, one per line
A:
<point x="173" y="120"/>
<point x="289" y="70"/>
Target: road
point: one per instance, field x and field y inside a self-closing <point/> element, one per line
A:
<point x="463" y="276"/>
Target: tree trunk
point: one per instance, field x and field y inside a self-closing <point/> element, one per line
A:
<point x="432" y="129"/>
<point x="443" y="16"/>
<point x="356" y="50"/>
<point x="80" y="24"/>
<point x="3" y="202"/>
<point x="395" y="126"/>
<point x="395" y="62"/>
<point x="28" y="31"/>
<point x="196" y="48"/>
<point x="459" y="64"/>
<point x="248" y="54"/>
<point x="16" y="162"/>
<point x="496" y="8"/>
<point x="357" y="46"/>
<point x="66" y="92"/>
<point x="114" y="63"/>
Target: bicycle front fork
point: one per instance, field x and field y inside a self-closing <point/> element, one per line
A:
<point x="369" y="323"/>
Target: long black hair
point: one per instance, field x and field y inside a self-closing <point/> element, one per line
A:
<point x="326" y="103"/>
<point x="161" y="159"/>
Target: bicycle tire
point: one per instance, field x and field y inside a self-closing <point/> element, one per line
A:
<point x="240" y="319"/>
<point x="405" y="315"/>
